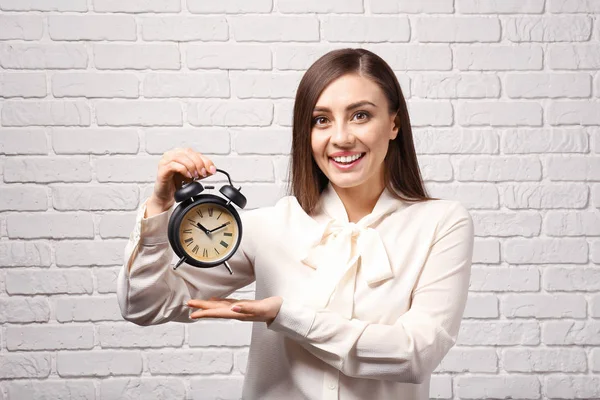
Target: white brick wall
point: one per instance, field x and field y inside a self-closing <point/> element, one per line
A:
<point x="504" y="97"/>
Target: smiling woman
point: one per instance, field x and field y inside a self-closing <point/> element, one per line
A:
<point x="361" y="277"/>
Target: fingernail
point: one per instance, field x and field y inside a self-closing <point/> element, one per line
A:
<point x="196" y="174"/>
<point x="236" y="308"/>
<point x="203" y="171"/>
<point x="189" y="175"/>
<point x="213" y="169"/>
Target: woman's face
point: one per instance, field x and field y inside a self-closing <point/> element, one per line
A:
<point x="351" y="117"/>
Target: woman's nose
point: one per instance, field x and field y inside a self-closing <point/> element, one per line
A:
<point x="341" y="134"/>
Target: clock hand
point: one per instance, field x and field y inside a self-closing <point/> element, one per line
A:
<point x="219" y="227"/>
<point x="199" y="225"/>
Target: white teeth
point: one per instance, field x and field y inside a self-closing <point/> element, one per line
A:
<point x="348" y="159"/>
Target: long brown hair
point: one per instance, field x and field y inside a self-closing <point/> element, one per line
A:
<point x="401" y="170"/>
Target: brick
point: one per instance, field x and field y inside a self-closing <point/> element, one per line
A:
<point x="573" y="6"/>
<point x="21" y="141"/>
<point x="544" y="140"/>
<point x="43" y="56"/>
<point x="476" y="196"/>
<point x="116" y="225"/>
<point x="258" y="85"/>
<point x="548" y="29"/>
<point x="44" y="5"/>
<point x="15" y="253"/>
<point x="545" y="360"/>
<point x="499" y="113"/>
<point x="94" y="197"/>
<point x="548" y="85"/>
<point x="229" y="6"/>
<point x="229" y="333"/>
<point x="137" y="56"/>
<point x="455" y="141"/>
<point x="365" y="29"/>
<point x="47" y="169"/>
<point x="147" y="388"/>
<point x="261" y="141"/>
<point x="498" y="169"/>
<point x="574" y="56"/>
<point x="202" y="84"/>
<point x="430" y="113"/>
<point x="412" y="7"/>
<point x="499" y="387"/>
<point x="139" y="113"/>
<point x="499" y="333"/>
<point x="450" y="86"/>
<point x="25" y="365"/>
<point x="457" y="29"/>
<point x="21" y="27"/>
<point x="464" y="359"/>
<point x="92" y="27"/>
<point x="435" y="168"/>
<point x="230" y="113"/>
<point x="501" y="279"/>
<point x="137" y="6"/>
<point x="572" y="386"/>
<point x="228" y="56"/>
<point x="94" y="85"/>
<point x="273" y="28"/>
<point x="49" y="337"/>
<point x="573" y="112"/>
<point x="51" y="389"/>
<point x="498" y="57"/>
<point x="546" y="250"/>
<point x="486" y="251"/>
<point x="21" y="309"/>
<point x="50" y="225"/>
<point x="571" y="333"/>
<point x="100" y="141"/>
<point x="187" y="361"/>
<point x="120" y="335"/>
<point x="98" y="363"/>
<point x="500" y="7"/>
<point x="204" y="140"/>
<point x="87" y="309"/>
<point x="127" y="169"/>
<point x="89" y="253"/>
<point x="568" y="279"/>
<point x="51" y="112"/>
<point x="481" y="306"/>
<point x="539" y="196"/>
<point x="28" y="282"/>
<point x="543" y="306"/>
<point x="184" y="29"/>
<point x="23" y="198"/>
<point x="583" y="223"/>
<point x="228" y="387"/>
<point x="19" y="84"/>
<point x="507" y="224"/>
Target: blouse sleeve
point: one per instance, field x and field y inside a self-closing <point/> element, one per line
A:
<point x="150" y="291"/>
<point x="410" y="349"/>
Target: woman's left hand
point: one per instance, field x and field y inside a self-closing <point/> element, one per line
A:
<point x="244" y="310"/>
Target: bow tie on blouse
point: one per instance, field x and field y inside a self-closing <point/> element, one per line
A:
<point x="341" y="248"/>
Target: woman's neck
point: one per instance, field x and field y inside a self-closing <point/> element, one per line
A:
<point x="359" y="200"/>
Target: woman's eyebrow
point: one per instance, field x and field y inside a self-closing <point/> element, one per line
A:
<point x="349" y="107"/>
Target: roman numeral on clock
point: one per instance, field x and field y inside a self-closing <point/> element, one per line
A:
<point x="224" y="244"/>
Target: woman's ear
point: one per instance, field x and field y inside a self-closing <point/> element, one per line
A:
<point x="396" y="127"/>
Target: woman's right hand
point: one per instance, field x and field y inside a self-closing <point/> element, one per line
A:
<point x="175" y="167"/>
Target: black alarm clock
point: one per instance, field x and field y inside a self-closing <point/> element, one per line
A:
<point x="205" y="230"/>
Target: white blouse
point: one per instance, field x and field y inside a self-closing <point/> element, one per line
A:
<point x="369" y="308"/>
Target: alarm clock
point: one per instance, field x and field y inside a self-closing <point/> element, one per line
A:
<point x="205" y="230"/>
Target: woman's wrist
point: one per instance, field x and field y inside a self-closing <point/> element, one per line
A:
<point x="155" y="207"/>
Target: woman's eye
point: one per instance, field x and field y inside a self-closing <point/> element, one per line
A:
<point x="316" y="120"/>
<point x="364" y="114"/>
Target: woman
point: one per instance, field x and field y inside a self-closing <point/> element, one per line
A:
<point x="361" y="278"/>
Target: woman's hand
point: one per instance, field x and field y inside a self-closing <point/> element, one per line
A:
<point x="244" y="310"/>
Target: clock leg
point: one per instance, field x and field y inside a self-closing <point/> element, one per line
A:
<point x="229" y="268"/>
<point x="182" y="259"/>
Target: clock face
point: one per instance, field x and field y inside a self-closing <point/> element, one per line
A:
<point x="208" y="232"/>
